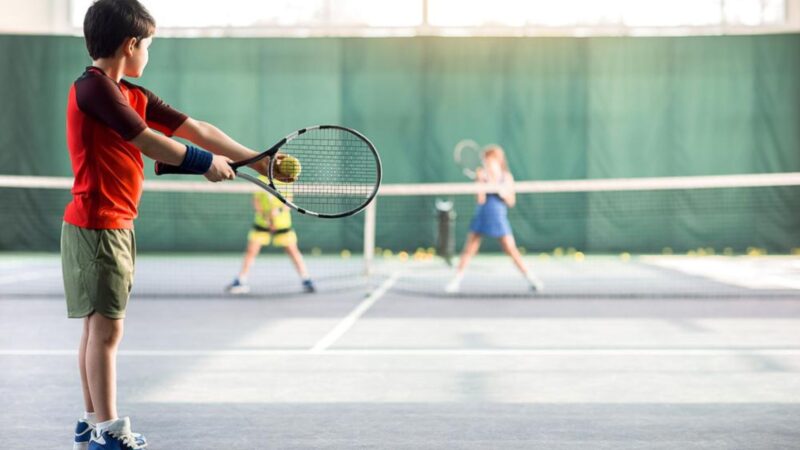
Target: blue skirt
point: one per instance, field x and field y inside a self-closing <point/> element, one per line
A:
<point x="491" y="218"/>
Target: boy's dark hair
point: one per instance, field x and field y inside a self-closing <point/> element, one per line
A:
<point x="109" y="22"/>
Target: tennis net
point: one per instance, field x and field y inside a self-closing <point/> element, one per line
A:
<point x="716" y="236"/>
<point x="719" y="236"/>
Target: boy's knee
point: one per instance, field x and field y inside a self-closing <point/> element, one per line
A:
<point x="107" y="332"/>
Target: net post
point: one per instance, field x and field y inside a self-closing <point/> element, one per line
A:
<point x="369" y="236"/>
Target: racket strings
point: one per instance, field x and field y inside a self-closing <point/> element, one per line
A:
<point x="339" y="171"/>
<point x="468" y="157"/>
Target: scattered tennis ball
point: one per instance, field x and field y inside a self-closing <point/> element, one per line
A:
<point x="579" y="256"/>
<point x="625" y="256"/>
<point x="316" y="251"/>
<point x="289" y="166"/>
<point x="345" y="254"/>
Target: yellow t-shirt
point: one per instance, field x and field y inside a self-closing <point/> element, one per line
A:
<point x="268" y="202"/>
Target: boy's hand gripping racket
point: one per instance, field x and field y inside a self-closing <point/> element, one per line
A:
<point x="336" y="171"/>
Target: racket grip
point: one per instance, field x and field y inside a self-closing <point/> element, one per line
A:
<point x="164" y="169"/>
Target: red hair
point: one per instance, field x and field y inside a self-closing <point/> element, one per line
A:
<point x="495" y="151"/>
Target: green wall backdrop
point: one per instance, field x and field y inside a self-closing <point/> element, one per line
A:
<point x="564" y="108"/>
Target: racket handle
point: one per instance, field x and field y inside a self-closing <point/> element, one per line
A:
<point x="164" y="169"/>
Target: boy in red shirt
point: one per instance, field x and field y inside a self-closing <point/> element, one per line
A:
<point x="109" y="123"/>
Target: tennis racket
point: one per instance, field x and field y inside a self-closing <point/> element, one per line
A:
<point x="467" y="155"/>
<point x="339" y="171"/>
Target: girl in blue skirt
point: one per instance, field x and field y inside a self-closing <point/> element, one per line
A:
<point x="491" y="217"/>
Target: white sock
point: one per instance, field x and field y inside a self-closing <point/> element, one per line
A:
<point x="533" y="280"/>
<point x="243" y="279"/>
<point x="90" y="417"/>
<point x="103" y="426"/>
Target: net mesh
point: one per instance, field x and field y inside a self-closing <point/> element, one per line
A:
<point x="699" y="236"/>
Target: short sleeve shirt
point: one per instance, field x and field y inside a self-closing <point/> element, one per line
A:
<point x="102" y="117"/>
<point x="268" y="202"/>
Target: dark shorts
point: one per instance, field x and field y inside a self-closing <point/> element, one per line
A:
<point x="97" y="266"/>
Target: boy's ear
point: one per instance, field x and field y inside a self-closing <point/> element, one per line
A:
<point x="128" y="46"/>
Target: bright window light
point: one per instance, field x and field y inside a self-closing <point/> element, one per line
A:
<point x="377" y="13"/>
<point x="478" y="14"/>
<point x="628" y="13"/>
<point x="274" y="13"/>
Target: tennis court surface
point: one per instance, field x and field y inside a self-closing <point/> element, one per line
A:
<point x="615" y="353"/>
<point x="551" y="224"/>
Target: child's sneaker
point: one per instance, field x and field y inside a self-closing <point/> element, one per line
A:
<point x="454" y="285"/>
<point x="117" y="437"/>
<point x="238" y="287"/>
<point x="534" y="282"/>
<point x="308" y="286"/>
<point x="83" y="434"/>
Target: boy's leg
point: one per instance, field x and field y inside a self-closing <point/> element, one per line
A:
<point x="297" y="260"/>
<point x="101" y="361"/>
<point x="250" y="254"/>
<point x="87" y="397"/>
<point x="254" y="242"/>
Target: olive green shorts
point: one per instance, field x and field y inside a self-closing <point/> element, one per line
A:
<point x="98" y="270"/>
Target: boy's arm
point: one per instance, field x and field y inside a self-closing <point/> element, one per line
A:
<point x="164" y="149"/>
<point x="171" y="122"/>
<point x="212" y="138"/>
<point x="101" y="99"/>
<point x="257" y="206"/>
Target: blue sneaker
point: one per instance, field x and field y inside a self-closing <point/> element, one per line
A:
<point x="238" y="287"/>
<point x="84" y="431"/>
<point x="308" y="286"/>
<point x="117" y="437"/>
<point x="83" y="434"/>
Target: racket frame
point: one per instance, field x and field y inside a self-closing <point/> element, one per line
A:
<point x="461" y="146"/>
<point x="270" y="185"/>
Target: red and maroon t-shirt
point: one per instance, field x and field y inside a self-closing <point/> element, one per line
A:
<point x="102" y="117"/>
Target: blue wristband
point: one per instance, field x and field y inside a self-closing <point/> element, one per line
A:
<point x="196" y="160"/>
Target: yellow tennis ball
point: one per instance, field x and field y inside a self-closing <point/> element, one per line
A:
<point x="289" y="166"/>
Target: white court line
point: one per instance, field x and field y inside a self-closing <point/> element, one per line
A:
<point x="736" y="271"/>
<point x="28" y="276"/>
<point x="354" y="315"/>
<point x="437" y="352"/>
